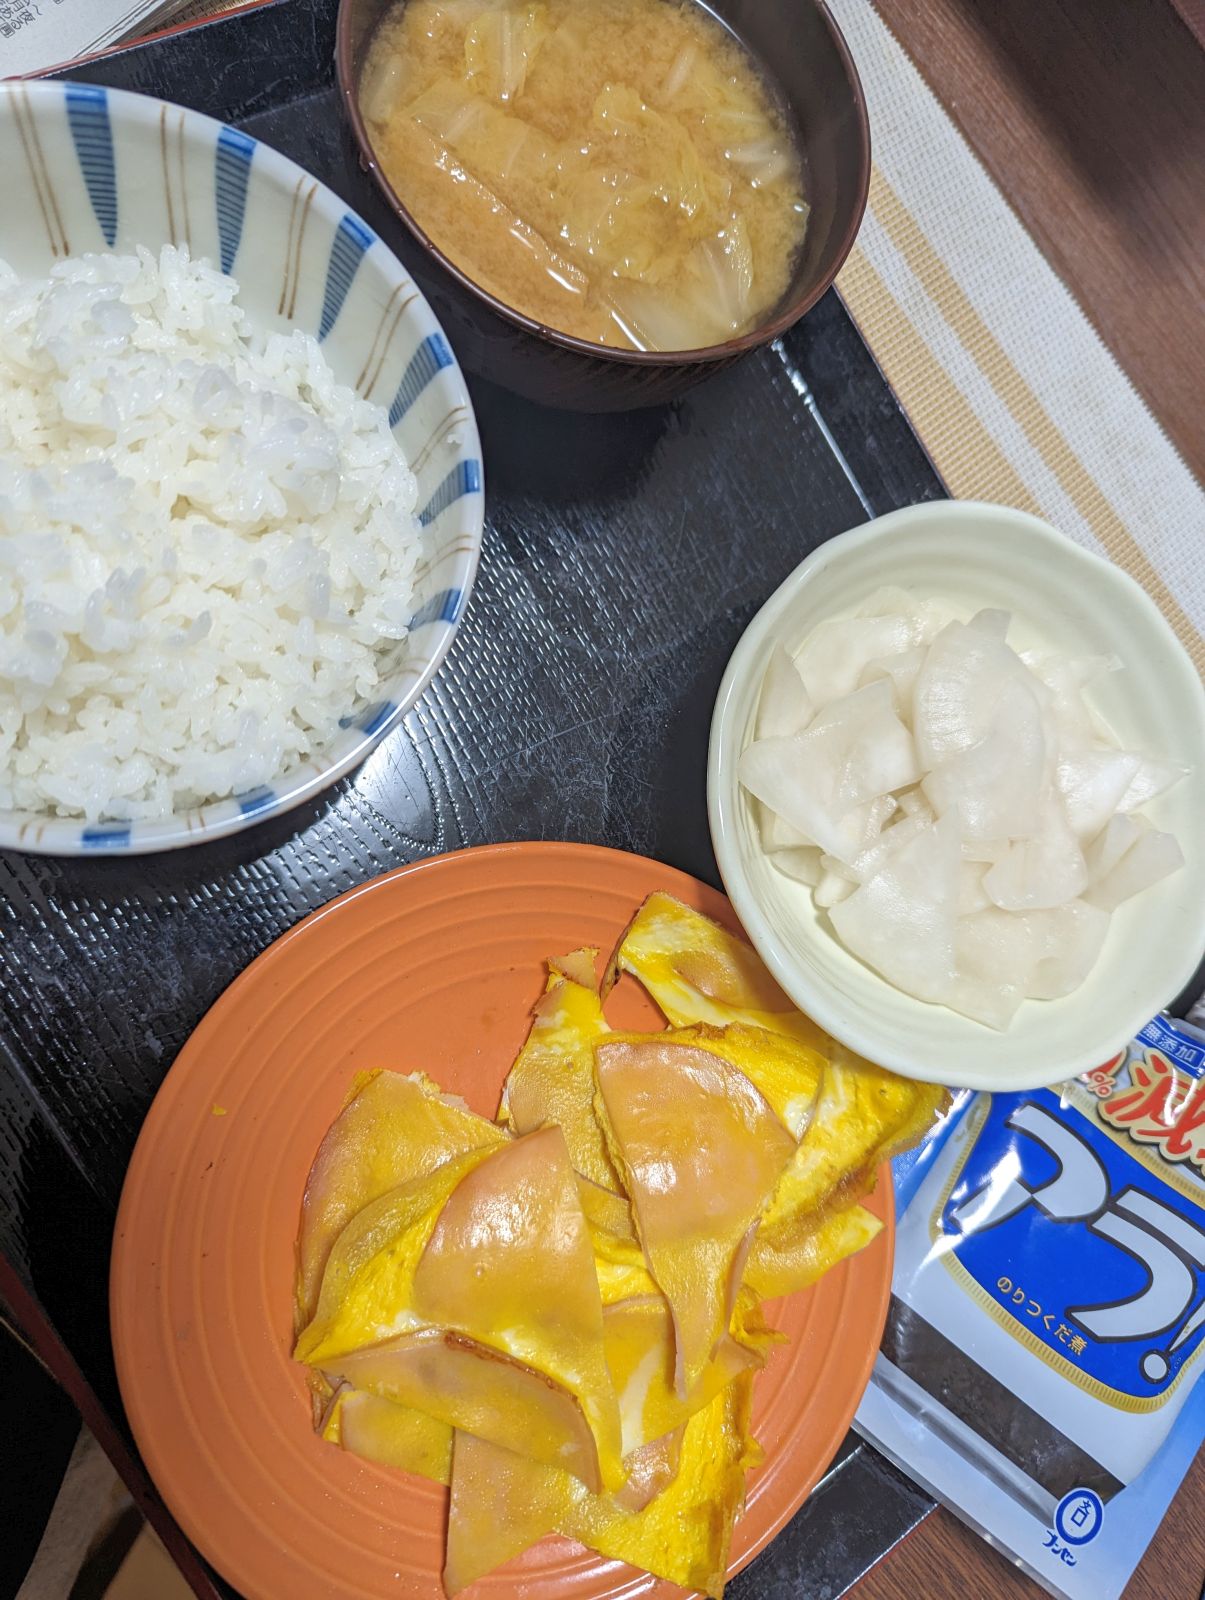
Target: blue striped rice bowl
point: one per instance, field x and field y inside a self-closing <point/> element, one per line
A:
<point x="91" y="169"/>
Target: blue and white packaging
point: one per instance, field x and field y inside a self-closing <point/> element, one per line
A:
<point x="1038" y="1372"/>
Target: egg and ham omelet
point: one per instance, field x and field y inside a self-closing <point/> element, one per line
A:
<point x="558" y="1313"/>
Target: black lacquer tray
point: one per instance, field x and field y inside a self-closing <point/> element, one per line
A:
<point x="623" y="557"/>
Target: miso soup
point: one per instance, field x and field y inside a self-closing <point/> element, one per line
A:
<point x="615" y="169"/>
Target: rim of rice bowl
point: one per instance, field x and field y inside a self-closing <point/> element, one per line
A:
<point x="267" y="461"/>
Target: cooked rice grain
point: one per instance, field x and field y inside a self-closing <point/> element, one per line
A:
<point x="206" y="542"/>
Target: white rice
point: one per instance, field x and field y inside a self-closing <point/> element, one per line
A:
<point x="205" y="541"/>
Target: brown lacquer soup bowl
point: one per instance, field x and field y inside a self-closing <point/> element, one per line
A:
<point x="806" y="62"/>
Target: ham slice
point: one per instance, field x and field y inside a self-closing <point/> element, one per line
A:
<point x="471" y="1294"/>
<point x="697" y="971"/>
<point x="466" y="1385"/>
<point x="701" y="1151"/>
<point x="552" y="1079"/>
<point x="393" y="1436"/>
<point x="502" y="1502"/>
<point x="392" y="1130"/>
<point x="510" y="1264"/>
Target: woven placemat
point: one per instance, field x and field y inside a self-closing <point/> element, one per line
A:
<point x="1012" y="391"/>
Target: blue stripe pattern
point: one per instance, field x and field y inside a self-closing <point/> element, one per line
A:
<point x="427" y="360"/>
<point x="374" y="718"/>
<point x="352" y="240"/>
<point x="464" y="478"/>
<point x="88" y="116"/>
<point x="443" y="607"/>
<point x="255" y="801"/>
<point x="232" y="168"/>
<point x="114" y="838"/>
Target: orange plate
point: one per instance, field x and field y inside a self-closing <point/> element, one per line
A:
<point x="433" y="966"/>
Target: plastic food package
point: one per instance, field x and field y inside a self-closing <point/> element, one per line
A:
<point x="1038" y="1372"/>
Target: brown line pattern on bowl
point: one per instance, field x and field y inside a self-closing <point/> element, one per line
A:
<point x="305" y="213"/>
<point x="290" y="236"/>
<point x="461" y="547"/>
<point x="183" y="182"/>
<point x="441" y="430"/>
<point x="284" y="278"/>
<point x="167" y="180"/>
<point x="50" y="192"/>
<point x="388" y="339"/>
<point x="43" y="189"/>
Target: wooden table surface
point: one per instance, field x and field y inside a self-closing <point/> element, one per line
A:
<point x="1090" y="117"/>
<point x="945" y="1560"/>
